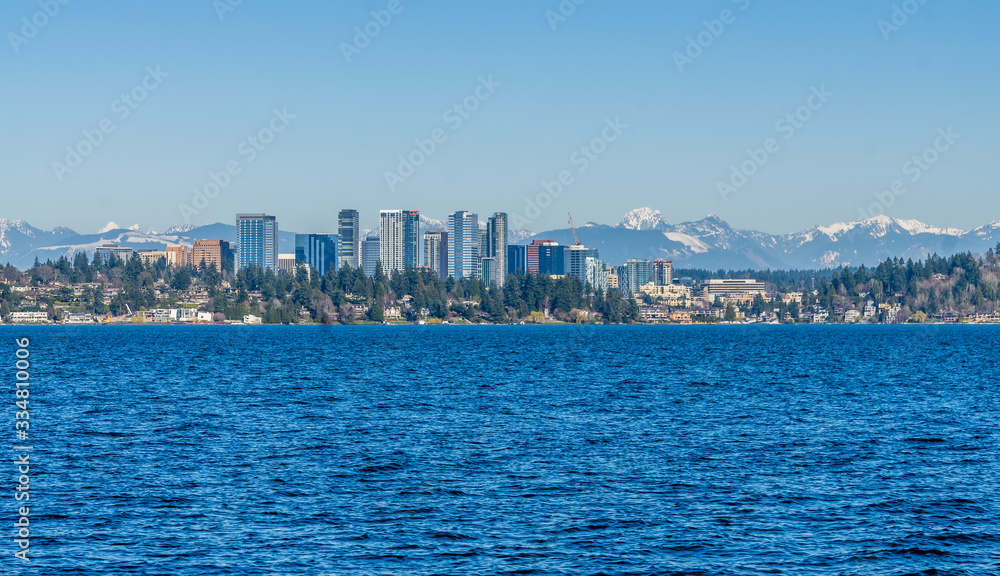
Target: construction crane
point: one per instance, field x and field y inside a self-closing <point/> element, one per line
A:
<point x="572" y="227"/>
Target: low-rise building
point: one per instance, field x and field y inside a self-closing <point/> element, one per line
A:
<point x="991" y="318"/>
<point x="792" y="297"/>
<point x="286" y="263"/>
<point x="151" y="257"/>
<point x="29" y="317"/>
<point x="726" y="286"/>
<point x="673" y="294"/>
<point x="655" y="313"/>
<point x="870" y="310"/>
<point x="682" y="317"/>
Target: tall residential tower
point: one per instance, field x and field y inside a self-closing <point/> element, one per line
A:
<point x="496" y="248"/>
<point x="348" y="239"/>
<point x="463" y="244"/>
<point x="257" y="235"/>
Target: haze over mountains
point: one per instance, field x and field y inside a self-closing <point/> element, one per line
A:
<point x="642" y="233"/>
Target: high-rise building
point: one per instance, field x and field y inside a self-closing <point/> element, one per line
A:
<point x="317" y="251"/>
<point x="257" y="235"/>
<point x="637" y="272"/>
<point x="177" y="256"/>
<point x="517" y="259"/>
<point x="483" y="246"/>
<point x="348" y="239"/>
<point x="597" y="274"/>
<point x="411" y="238"/>
<point x="496" y="248"/>
<point x="214" y="253"/>
<point x="663" y="272"/>
<point x="369" y="255"/>
<point x="487" y="268"/>
<point x="399" y="239"/>
<point x="550" y="258"/>
<point x="390" y="236"/>
<point x="463" y="244"/>
<point x="575" y="258"/>
<point x="545" y="257"/>
<point x="436" y="252"/>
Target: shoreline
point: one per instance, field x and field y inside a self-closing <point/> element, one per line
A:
<point x="550" y="325"/>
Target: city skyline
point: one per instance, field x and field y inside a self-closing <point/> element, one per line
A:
<point x="651" y="106"/>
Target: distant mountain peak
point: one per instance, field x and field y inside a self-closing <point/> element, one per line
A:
<point x="642" y="219"/>
<point x="109" y="227"/>
<point x="180" y="229"/>
<point x="432" y="223"/>
<point x="879" y="226"/>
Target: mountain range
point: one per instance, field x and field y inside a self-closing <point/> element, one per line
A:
<point x="709" y="243"/>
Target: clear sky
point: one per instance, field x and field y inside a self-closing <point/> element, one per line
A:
<point x="551" y="86"/>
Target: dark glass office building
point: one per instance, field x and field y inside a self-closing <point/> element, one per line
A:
<point x="316" y="251"/>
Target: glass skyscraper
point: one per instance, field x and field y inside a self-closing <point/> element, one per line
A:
<point x="496" y="248"/>
<point x="463" y="244"/>
<point x="399" y="239"/>
<point x="348" y="239"/>
<point x="369" y="255"/>
<point x="517" y="261"/>
<point x="317" y="251"/>
<point x="637" y="273"/>
<point x="257" y="235"/>
<point x="575" y="258"/>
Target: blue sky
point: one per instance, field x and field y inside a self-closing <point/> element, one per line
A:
<point x="555" y="86"/>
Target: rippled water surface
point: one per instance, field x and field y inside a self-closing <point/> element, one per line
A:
<point x="513" y="450"/>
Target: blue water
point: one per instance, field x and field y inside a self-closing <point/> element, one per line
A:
<point x="513" y="450"/>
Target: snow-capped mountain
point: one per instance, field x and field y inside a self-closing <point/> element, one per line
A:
<point x="519" y="235"/>
<point x="432" y="224"/>
<point x="709" y="243"/>
<point x="642" y="219"/>
<point x="17" y="237"/>
<point x="180" y="229"/>
<point x="20" y="243"/>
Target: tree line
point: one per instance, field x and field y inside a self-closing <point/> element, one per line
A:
<point x="345" y="295"/>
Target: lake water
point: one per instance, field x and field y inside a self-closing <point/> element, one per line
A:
<point x="196" y="450"/>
